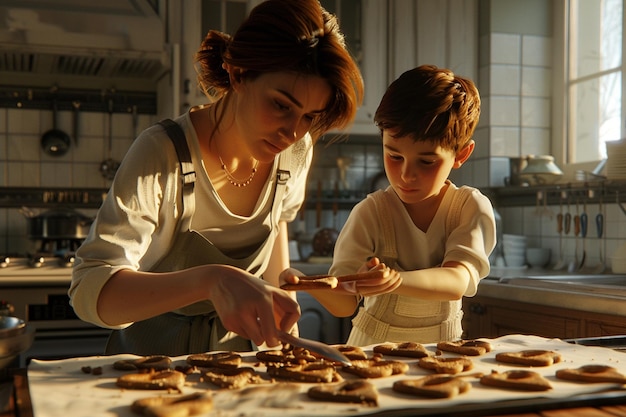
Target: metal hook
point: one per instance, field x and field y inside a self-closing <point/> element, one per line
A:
<point x="620" y="204"/>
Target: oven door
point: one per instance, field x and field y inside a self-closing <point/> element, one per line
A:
<point x="59" y="333"/>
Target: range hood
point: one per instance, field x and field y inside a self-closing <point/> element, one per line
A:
<point x="83" y="44"/>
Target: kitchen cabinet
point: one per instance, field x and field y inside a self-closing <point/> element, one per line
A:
<point x="387" y="37"/>
<point x="493" y="317"/>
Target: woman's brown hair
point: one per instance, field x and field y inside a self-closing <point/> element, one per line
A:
<point x="286" y="35"/>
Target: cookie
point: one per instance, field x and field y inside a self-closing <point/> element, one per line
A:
<point x="310" y="372"/>
<point x="373" y="368"/>
<point x="443" y="365"/>
<point x="466" y="347"/>
<point x="156" y="362"/>
<point x="530" y="357"/>
<point x="521" y="380"/>
<point x="157" y="380"/>
<point x="354" y="391"/>
<point x="287" y="356"/>
<point x="215" y="360"/>
<point x="182" y="405"/>
<point x="592" y="373"/>
<point x="408" y="349"/>
<point x="433" y="386"/>
<point x="312" y="282"/>
<point x="351" y="352"/>
<point x="232" y="378"/>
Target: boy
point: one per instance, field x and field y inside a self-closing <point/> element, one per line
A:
<point x="437" y="236"/>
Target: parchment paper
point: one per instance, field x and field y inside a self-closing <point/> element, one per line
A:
<point x="61" y="389"/>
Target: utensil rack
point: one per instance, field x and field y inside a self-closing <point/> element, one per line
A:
<point x="607" y="191"/>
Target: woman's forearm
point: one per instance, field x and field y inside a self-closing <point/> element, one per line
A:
<point x="131" y="296"/>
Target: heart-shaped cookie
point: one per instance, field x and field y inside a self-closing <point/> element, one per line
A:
<point x="353" y="391"/>
<point x="443" y="365"/>
<point x="164" y="380"/>
<point x="530" y="357"/>
<point x="408" y="349"/>
<point x="521" y="380"/>
<point x="232" y="378"/>
<point x="310" y="372"/>
<point x="434" y="386"/>
<point x="182" y="405"/>
<point x="466" y="347"/>
<point x="592" y="373"/>
<point x="156" y="362"/>
<point x="215" y="360"/>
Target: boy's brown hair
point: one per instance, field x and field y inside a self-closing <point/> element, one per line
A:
<point x="430" y="104"/>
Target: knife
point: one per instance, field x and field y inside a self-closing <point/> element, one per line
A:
<point x="320" y="348"/>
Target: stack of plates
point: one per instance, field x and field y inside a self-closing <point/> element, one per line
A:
<point x="616" y="162"/>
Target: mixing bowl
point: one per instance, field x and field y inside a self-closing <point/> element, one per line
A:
<point x="16" y="337"/>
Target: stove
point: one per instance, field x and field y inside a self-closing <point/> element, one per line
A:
<point x="34" y="287"/>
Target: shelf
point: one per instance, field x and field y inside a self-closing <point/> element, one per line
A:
<point x="607" y="191"/>
<point x="16" y="197"/>
<point x="88" y="100"/>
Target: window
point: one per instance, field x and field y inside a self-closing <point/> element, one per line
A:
<point x="594" y="78"/>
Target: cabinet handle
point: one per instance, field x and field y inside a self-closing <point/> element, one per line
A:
<point x="477" y="309"/>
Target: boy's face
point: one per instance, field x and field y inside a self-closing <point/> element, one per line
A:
<point x="416" y="170"/>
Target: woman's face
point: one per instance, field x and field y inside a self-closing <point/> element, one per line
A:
<point x="416" y="170"/>
<point x="275" y="110"/>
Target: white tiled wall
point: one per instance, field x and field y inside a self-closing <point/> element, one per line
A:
<point x="23" y="163"/>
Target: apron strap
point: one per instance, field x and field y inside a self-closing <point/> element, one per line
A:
<point x="187" y="172"/>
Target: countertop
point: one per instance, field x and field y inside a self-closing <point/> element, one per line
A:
<point x="557" y="289"/>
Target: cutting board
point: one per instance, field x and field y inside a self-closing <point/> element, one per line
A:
<point x="61" y="389"/>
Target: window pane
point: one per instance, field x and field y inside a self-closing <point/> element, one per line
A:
<point x="595" y="78"/>
<point x="595" y="37"/>
<point x="595" y="116"/>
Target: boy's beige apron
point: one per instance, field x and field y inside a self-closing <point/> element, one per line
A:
<point x="396" y="318"/>
<point x="195" y="328"/>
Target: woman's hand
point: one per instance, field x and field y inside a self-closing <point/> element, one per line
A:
<point x="252" y="308"/>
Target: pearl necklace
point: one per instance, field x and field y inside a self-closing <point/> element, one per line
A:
<point x="234" y="181"/>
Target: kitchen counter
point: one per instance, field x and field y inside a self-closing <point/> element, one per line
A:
<point x="589" y="298"/>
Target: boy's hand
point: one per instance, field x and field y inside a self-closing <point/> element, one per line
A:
<point x="373" y="278"/>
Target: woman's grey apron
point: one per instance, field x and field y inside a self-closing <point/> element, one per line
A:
<point x="197" y="327"/>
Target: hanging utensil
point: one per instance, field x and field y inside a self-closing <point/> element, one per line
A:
<point x="601" y="239"/>
<point x="583" y="234"/>
<point x="560" y="264"/>
<point x="135" y="116"/>
<point x="76" y="132"/>
<point x="109" y="166"/>
<point x="573" y="265"/>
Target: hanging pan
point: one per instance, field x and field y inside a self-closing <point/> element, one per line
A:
<point x="55" y="142"/>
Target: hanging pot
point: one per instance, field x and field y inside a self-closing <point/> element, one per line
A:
<point x="55" y="142"/>
<point x="57" y="224"/>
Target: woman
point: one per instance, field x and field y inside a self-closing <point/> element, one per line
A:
<point x="174" y="255"/>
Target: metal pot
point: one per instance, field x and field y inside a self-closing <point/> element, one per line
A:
<point x="58" y="224"/>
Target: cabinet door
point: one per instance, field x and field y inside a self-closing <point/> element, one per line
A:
<point x="373" y="63"/>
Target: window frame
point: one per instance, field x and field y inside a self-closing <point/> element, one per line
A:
<point x="560" y="108"/>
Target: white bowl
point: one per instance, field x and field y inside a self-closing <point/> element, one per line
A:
<point x="514" y="260"/>
<point x="538" y="257"/>
<point x="514" y="246"/>
<point x="514" y="238"/>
